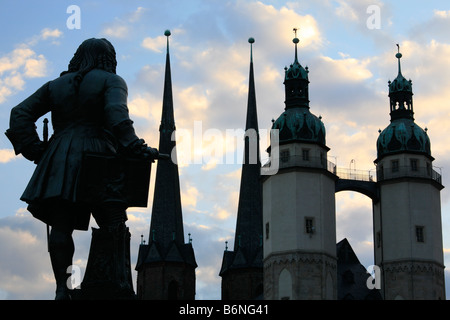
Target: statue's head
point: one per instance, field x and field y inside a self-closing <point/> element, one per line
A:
<point x="93" y="54"/>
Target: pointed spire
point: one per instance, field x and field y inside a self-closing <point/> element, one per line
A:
<point x="166" y="240"/>
<point x="295" y="41"/>
<point x="252" y="118"/>
<point x="167" y="34"/>
<point x="249" y="216"/>
<point x="249" y="219"/>
<point x="399" y="56"/>
<point x="167" y="220"/>
<point x="251" y="41"/>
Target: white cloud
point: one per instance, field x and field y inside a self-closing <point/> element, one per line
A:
<point x="50" y="33"/>
<point x="156" y="44"/>
<point x="346" y="11"/>
<point x="122" y="27"/>
<point x="7" y="155"/>
<point x="189" y="196"/>
<point x="442" y="13"/>
<point x="20" y="64"/>
<point x="116" y="30"/>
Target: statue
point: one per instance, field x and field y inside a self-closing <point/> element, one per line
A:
<point x="85" y="168"/>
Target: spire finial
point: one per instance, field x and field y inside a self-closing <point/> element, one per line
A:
<point x="251" y="41"/>
<point x="295" y="40"/>
<point x="167" y="34"/>
<point x="398" y="56"/>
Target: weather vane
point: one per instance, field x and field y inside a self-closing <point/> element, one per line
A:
<point x="295" y="31"/>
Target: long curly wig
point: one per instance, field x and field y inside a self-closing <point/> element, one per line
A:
<point x="92" y="54"/>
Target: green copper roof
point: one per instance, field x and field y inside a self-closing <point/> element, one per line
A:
<point x="403" y="135"/>
<point x="299" y="124"/>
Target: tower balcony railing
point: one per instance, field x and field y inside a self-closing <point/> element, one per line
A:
<point x="360" y="175"/>
<point x="306" y="162"/>
<point x="353" y="174"/>
<point x="408" y="171"/>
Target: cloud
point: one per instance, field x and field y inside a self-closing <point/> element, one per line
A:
<point x="7" y="155"/>
<point x="24" y="264"/>
<point x="23" y="63"/>
<point x="156" y="44"/>
<point x="116" y="30"/>
<point x="122" y="27"/>
<point x="189" y="195"/>
<point x="48" y="33"/>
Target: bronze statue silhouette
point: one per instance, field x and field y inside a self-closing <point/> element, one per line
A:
<point x="80" y="170"/>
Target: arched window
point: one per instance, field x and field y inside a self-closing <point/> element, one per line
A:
<point x="285" y="285"/>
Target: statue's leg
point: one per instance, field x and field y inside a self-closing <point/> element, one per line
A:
<point x="61" y="248"/>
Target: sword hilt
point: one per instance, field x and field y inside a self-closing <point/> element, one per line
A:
<point x="45" y="135"/>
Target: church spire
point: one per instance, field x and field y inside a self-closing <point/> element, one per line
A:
<point x="238" y="282"/>
<point x="249" y="218"/>
<point x="167" y="221"/>
<point x="166" y="238"/>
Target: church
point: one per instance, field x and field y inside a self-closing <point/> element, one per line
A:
<point x="285" y="238"/>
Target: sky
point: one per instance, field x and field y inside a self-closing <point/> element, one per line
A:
<point x="348" y="45"/>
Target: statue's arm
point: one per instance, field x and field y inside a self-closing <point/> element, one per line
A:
<point x="117" y="118"/>
<point x="22" y="129"/>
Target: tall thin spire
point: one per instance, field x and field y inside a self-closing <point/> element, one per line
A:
<point x="167" y="220"/>
<point x="295" y="40"/>
<point x="399" y="56"/>
<point x="166" y="238"/>
<point x="249" y="219"/>
<point x="247" y="253"/>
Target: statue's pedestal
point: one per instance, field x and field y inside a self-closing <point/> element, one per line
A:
<point x="108" y="271"/>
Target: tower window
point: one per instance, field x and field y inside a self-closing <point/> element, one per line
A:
<point x="419" y="234"/>
<point x="413" y="164"/>
<point x="284" y="155"/>
<point x="267" y="230"/>
<point x="309" y="225"/>
<point x="395" y="165"/>
<point x="305" y="154"/>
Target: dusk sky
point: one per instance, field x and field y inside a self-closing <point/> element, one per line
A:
<point x="349" y="47"/>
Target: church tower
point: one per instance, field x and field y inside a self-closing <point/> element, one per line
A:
<point x="241" y="272"/>
<point x="299" y="222"/>
<point x="407" y="219"/>
<point x="166" y="265"/>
